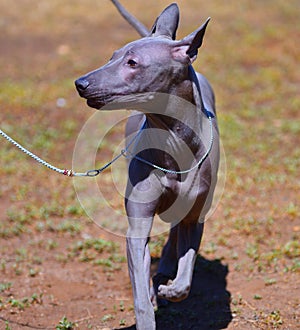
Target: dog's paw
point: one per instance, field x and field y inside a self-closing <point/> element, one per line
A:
<point x="173" y="291"/>
<point x="157" y="302"/>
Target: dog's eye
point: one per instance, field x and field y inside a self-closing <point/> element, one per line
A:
<point x="132" y="63"/>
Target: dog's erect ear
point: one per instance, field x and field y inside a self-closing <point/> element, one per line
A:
<point x="166" y="23"/>
<point x="187" y="48"/>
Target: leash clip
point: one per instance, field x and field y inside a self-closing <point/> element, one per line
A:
<point x="93" y="173"/>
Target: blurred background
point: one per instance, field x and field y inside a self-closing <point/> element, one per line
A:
<point x="54" y="261"/>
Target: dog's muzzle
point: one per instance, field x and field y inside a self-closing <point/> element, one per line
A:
<point x="81" y="85"/>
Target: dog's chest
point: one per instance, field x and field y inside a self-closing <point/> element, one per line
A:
<point x="181" y="187"/>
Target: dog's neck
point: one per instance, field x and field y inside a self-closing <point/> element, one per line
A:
<point x="183" y="104"/>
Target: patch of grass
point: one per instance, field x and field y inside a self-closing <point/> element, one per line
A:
<point x="7" y="326"/>
<point x="62" y="258"/>
<point x="5" y="286"/>
<point x="33" y="272"/>
<point x="210" y="248"/>
<point x="122" y="306"/>
<point x="19" y="304"/>
<point x="122" y="322"/>
<point x="107" y="317"/>
<point x="51" y="244"/>
<point x="293" y="210"/>
<point x="292" y="249"/>
<point x="72" y="227"/>
<point x="69" y="226"/>
<point x="90" y="249"/>
<point x="293" y="267"/>
<point x="270" y="281"/>
<point x="286" y="254"/>
<point x="252" y="250"/>
<point x="55" y="208"/>
<point x="238" y="300"/>
<point x="12" y="230"/>
<point x="112" y="262"/>
<point x="44" y="141"/>
<point x="18" y="216"/>
<point x="273" y="319"/>
<point x="17" y="269"/>
<point x="65" y="324"/>
<point x="75" y="209"/>
<point x="98" y="244"/>
<point x="29" y="93"/>
<point x="37" y="298"/>
<point x="25" y="302"/>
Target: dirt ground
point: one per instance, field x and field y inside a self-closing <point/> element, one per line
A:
<point x="58" y="269"/>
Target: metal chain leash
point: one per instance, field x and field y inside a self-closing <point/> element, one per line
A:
<point x="199" y="163"/>
<point x="70" y="173"/>
<point x="124" y="152"/>
<point x="38" y="159"/>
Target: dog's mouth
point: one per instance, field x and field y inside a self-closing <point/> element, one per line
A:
<point x="99" y="101"/>
<point x="95" y="99"/>
<point x="105" y="102"/>
<point x="119" y="101"/>
<point x="95" y="103"/>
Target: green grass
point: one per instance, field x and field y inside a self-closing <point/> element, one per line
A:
<point x="249" y="55"/>
<point x="22" y="303"/>
<point x="5" y="286"/>
<point x="65" y="324"/>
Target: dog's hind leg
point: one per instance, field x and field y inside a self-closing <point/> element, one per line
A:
<point x="167" y="265"/>
<point x="168" y="261"/>
<point x="188" y="240"/>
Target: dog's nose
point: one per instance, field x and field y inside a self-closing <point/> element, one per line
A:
<point x="81" y="84"/>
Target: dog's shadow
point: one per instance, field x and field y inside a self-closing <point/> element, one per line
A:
<point x="208" y="305"/>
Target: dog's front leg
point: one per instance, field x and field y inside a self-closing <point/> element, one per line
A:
<point x="138" y="257"/>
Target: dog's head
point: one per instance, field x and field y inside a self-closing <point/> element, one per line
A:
<point x="156" y="63"/>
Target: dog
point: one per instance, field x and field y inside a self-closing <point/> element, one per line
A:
<point x="172" y="169"/>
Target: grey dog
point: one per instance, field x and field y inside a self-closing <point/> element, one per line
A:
<point x="175" y="105"/>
